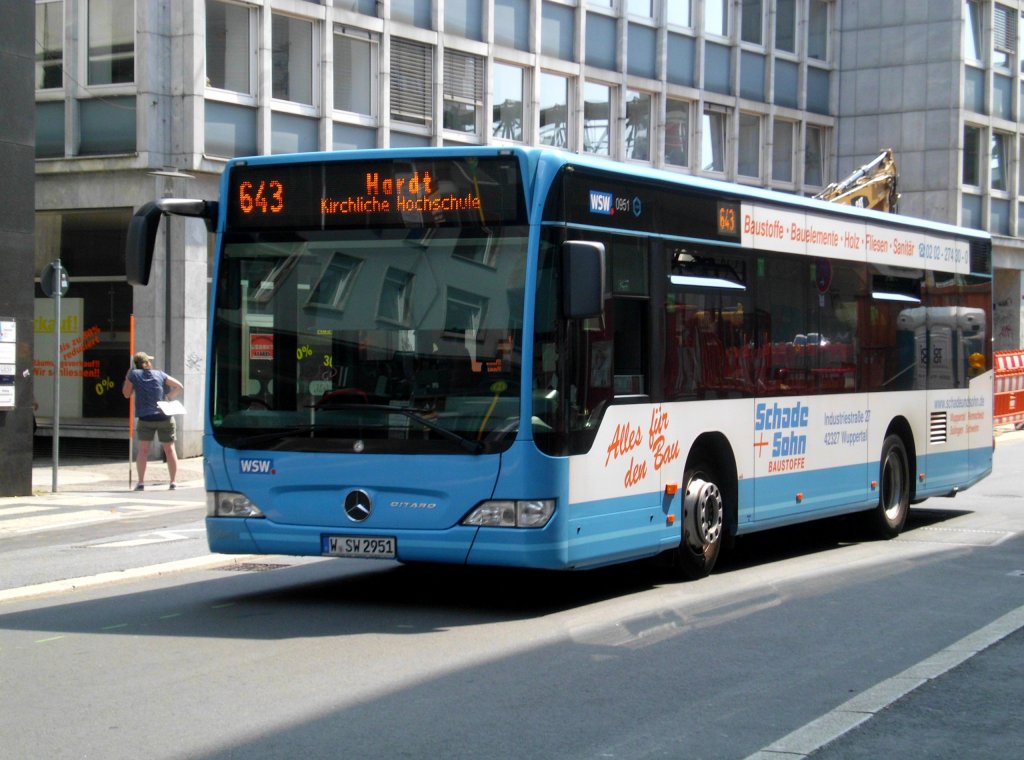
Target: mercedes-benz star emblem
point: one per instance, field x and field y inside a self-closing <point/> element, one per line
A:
<point x="358" y="505"/>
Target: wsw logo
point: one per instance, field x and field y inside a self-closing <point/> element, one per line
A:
<point x="607" y="204"/>
<point x="256" y="466"/>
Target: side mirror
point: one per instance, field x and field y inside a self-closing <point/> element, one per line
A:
<point x="582" y="279"/>
<point x="141" y="240"/>
<point x="142" y="229"/>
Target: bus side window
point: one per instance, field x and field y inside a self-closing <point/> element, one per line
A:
<point x="710" y="326"/>
<point x="628" y="265"/>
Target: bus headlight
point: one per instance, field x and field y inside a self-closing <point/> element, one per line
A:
<point x="230" y="504"/>
<point x="533" y="513"/>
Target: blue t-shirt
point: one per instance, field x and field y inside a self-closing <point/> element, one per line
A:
<point x="149" y="389"/>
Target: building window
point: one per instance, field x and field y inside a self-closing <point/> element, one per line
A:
<point x="1000" y="162"/>
<point x="464" y="18"/>
<point x="554" y="110"/>
<point x="50" y="45"/>
<point x="1004" y="36"/>
<point x="507" y="116"/>
<point x="334" y="287"/>
<point x="972" y="32"/>
<point x="557" y="31"/>
<point x="752" y="75"/>
<point x="678" y="12"/>
<point x="464" y="313"/>
<point x="817" y="30"/>
<point x="714" y="133"/>
<point x="749" y="154"/>
<point x="96" y="319"/>
<point x="412" y="72"/>
<point x="292" y="56"/>
<point x="1020" y="174"/>
<point x="111" y="42"/>
<point x="677" y="133"/>
<point x="718" y="68"/>
<point x="602" y="41"/>
<point x="394" y="297"/>
<point x="640" y="8"/>
<point x="597" y="108"/>
<point x="782" y="151"/>
<point x="512" y="24"/>
<point x="229" y="47"/>
<point x="752" y="21"/>
<point x="814" y="157"/>
<point x="1002" y="97"/>
<point x="415" y="12"/>
<point x="970" y="211"/>
<point x="785" y="25"/>
<point x="638" y="125"/>
<point x="972" y="156"/>
<point x="642" y="42"/>
<point x="463" y="91"/>
<point x="716" y="17"/>
<point x="355" y="71"/>
<point x="974" y="89"/>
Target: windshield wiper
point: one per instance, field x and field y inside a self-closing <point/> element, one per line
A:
<point x="473" y="447"/>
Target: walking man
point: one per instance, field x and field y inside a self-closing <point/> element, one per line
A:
<point x="150" y="387"/>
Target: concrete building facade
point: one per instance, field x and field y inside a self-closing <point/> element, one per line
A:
<point x="143" y="98"/>
<point x="941" y="83"/>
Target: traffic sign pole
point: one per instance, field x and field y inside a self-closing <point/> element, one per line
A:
<point x="57" y="271"/>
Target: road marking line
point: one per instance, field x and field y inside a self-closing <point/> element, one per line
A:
<point x="157" y="537"/>
<point x="853" y="712"/>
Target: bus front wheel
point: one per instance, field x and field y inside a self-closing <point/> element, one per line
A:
<point x="888" y="518"/>
<point x="703" y="524"/>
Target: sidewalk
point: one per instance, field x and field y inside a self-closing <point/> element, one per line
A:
<point x="80" y="475"/>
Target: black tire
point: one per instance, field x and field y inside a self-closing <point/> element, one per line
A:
<point x="888" y="518"/>
<point x="703" y="524"/>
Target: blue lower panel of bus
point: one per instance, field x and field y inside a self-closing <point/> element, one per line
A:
<point x="798" y="495"/>
<point x="605" y="532"/>
<point x="951" y="471"/>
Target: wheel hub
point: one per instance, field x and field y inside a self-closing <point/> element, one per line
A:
<point x="703" y="513"/>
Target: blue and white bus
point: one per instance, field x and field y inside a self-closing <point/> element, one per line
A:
<point x="525" y="357"/>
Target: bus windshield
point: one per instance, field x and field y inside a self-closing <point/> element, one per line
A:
<point x="388" y="340"/>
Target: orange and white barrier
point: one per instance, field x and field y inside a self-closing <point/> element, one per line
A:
<point x="1009" y="388"/>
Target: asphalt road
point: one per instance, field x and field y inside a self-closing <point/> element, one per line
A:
<point x="808" y="641"/>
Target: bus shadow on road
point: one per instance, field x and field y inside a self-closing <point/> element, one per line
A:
<point x="276" y="599"/>
<point x="781" y="544"/>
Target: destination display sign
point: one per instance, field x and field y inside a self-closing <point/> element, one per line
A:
<point x="383" y="193"/>
<point x="595" y="199"/>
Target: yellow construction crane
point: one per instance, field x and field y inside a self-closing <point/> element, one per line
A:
<point x="871" y="186"/>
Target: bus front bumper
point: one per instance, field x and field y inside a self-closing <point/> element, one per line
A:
<point x="460" y="544"/>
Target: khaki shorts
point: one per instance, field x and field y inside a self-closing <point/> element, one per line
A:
<point x="163" y="428"/>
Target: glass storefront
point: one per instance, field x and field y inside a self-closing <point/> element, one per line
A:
<point x="95" y="314"/>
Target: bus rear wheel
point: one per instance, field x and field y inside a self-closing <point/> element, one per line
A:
<point x="703" y="524"/>
<point x="888" y="518"/>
